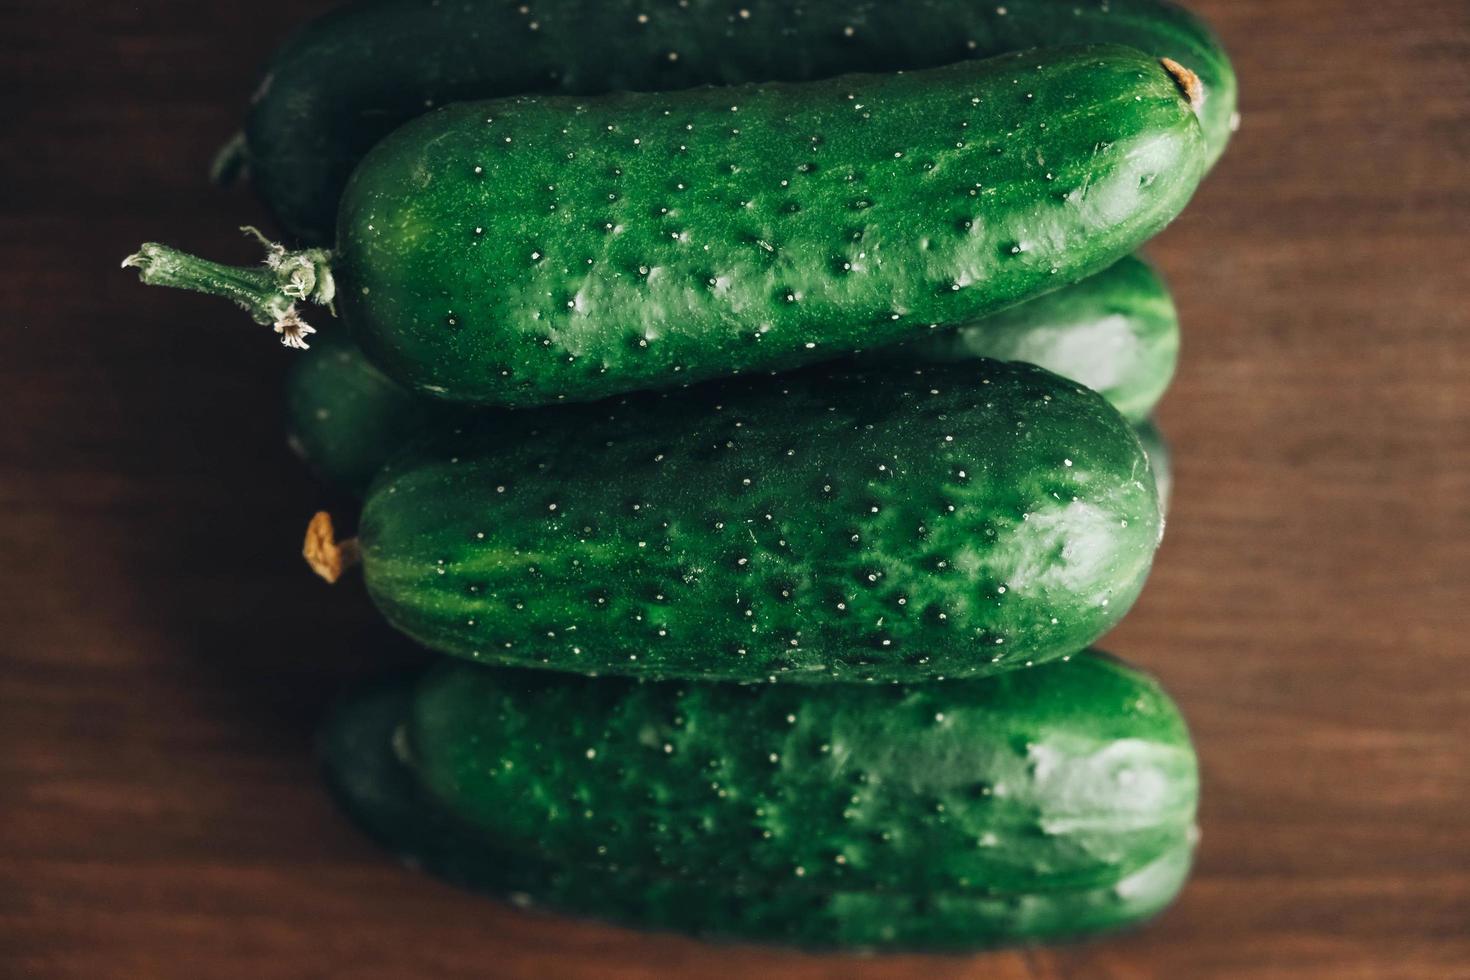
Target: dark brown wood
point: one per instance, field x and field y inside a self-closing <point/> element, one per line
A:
<point x="166" y="654"/>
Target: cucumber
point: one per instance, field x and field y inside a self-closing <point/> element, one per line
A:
<point x="542" y="249"/>
<point x="1044" y="803"/>
<point x="830" y="525"/>
<point x="1116" y="332"/>
<point x="345" y="418"/>
<point x="1160" y="458"/>
<point x="349" y="79"/>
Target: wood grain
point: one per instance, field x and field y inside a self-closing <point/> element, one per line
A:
<point x="165" y="656"/>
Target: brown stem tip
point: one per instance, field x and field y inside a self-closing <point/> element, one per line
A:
<point x="328" y="557"/>
<point x="1188" y="82"/>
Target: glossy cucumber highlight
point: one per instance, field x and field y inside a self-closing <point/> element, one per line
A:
<point x="1116" y="332"/>
<point x="1160" y="459"/>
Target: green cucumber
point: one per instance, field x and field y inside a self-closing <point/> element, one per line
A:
<point x="350" y="78"/>
<point x="1160" y="459"/>
<point x="345" y="418"/>
<point x="1116" y="332"/>
<point x="541" y="249"/>
<point x="1045" y="803"/>
<point x="946" y="521"/>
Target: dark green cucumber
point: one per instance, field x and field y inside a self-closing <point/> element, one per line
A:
<point x="1160" y="459"/>
<point x="346" y="418"/>
<point x="540" y="249"/>
<point x="1053" y="802"/>
<point x="946" y="521"/>
<point x="352" y="77"/>
<point x="1116" y="332"/>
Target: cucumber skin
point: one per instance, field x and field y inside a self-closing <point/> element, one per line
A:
<point x="652" y="264"/>
<point x="1160" y="460"/>
<point x="346" y="418"/>
<point x="831" y="525"/>
<point x="664" y="848"/>
<point x="350" y="78"/>
<point x="1116" y="332"/>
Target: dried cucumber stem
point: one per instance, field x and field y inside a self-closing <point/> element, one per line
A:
<point x="269" y="294"/>
<point x="1189" y="83"/>
<point x="327" y="556"/>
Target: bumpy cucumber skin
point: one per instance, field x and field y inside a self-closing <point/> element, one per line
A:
<point x="350" y="78"/>
<point x="1046" y="803"/>
<point x="1116" y="332"/>
<point x="950" y="520"/>
<point x="540" y="249"/>
<point x="345" y="418"/>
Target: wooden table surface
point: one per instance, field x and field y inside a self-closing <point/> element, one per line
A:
<point x="166" y="656"/>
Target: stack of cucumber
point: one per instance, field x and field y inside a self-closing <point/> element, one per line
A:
<point x="752" y="399"/>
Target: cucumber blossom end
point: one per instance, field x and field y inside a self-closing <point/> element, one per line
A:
<point x="1188" y="81"/>
<point x="327" y="556"/>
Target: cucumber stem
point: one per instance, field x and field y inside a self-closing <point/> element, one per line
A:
<point x="1188" y="82"/>
<point x="327" y="556"/>
<point x="269" y="293"/>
